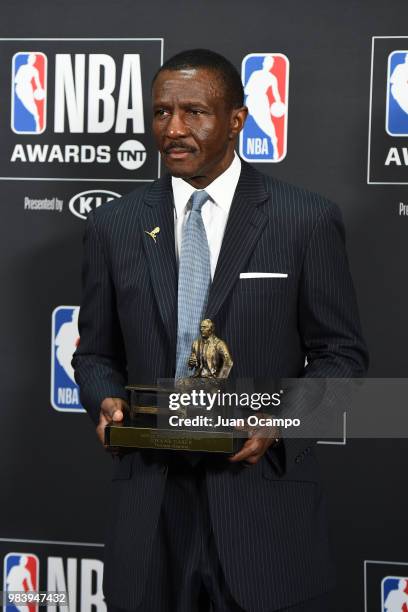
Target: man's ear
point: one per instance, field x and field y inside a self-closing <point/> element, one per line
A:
<point x="238" y="117"/>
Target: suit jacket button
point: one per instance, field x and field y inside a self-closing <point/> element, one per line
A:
<point x="298" y="459"/>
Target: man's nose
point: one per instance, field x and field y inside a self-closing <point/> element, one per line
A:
<point x="176" y="127"/>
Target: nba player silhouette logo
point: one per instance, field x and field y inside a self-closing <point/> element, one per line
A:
<point x="65" y="339"/>
<point x="394" y="594"/>
<point x="29" y="93"/>
<point x="266" y="79"/>
<point x="397" y="94"/>
<point x="21" y="575"/>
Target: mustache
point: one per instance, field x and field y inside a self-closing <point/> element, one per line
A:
<point x="180" y="146"/>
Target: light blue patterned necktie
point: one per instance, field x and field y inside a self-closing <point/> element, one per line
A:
<point x="194" y="282"/>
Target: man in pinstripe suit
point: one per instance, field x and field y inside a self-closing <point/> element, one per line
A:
<point x="248" y="533"/>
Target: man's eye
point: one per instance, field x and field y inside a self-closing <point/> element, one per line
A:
<point x="196" y="111"/>
<point x="161" y="112"/>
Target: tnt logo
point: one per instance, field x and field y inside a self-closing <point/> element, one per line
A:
<point x="394" y="594"/>
<point x="20" y="573"/>
<point x="131" y="154"/>
<point x="397" y="94"/>
<point x="28" y="93"/>
<point x="265" y="77"/>
<point x="65" y="339"/>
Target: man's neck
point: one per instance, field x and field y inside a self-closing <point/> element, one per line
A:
<point x="201" y="182"/>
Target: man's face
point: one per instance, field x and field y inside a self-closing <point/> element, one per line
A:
<point x="194" y="128"/>
<point x="206" y="329"/>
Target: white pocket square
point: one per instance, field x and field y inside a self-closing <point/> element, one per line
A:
<point x="263" y="275"/>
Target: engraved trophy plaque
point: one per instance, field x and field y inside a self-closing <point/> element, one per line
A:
<point x="154" y="424"/>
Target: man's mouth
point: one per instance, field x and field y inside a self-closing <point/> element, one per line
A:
<point x="178" y="152"/>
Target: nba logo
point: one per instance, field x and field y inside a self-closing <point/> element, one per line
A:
<point x="65" y="339"/>
<point x="21" y="574"/>
<point x="28" y="92"/>
<point x="397" y="94"/>
<point x="265" y="77"/>
<point x="394" y="594"/>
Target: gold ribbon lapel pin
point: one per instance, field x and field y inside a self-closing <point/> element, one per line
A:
<point x="153" y="233"/>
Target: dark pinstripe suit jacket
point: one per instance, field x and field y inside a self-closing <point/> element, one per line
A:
<point x="269" y="524"/>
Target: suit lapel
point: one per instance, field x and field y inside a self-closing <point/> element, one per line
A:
<point x="160" y="253"/>
<point x="245" y="224"/>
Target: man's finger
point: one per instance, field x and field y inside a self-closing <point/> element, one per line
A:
<point x="112" y="409"/>
<point x="111" y="412"/>
<point x="251" y="448"/>
<point x="100" y="432"/>
<point x="117" y="415"/>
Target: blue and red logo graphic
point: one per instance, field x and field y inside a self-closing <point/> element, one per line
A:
<point x="397" y="94"/>
<point x="29" y="93"/>
<point x="265" y="77"/>
<point x="65" y="339"/>
<point x="394" y="594"/>
<point x="21" y="574"/>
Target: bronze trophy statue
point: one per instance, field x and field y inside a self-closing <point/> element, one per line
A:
<point x="210" y="358"/>
<point x="149" y="426"/>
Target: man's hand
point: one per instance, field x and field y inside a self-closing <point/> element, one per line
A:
<point x="112" y="409"/>
<point x="192" y="362"/>
<point x="260" y="439"/>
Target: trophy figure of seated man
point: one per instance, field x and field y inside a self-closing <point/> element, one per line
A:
<point x="210" y="356"/>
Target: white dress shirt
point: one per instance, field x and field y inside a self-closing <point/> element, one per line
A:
<point x="214" y="212"/>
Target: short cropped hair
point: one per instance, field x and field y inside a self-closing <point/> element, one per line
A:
<point x="204" y="58"/>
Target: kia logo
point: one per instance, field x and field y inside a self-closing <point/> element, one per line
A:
<point x="82" y="203"/>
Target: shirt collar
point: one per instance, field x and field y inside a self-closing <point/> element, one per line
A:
<point x="221" y="190"/>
